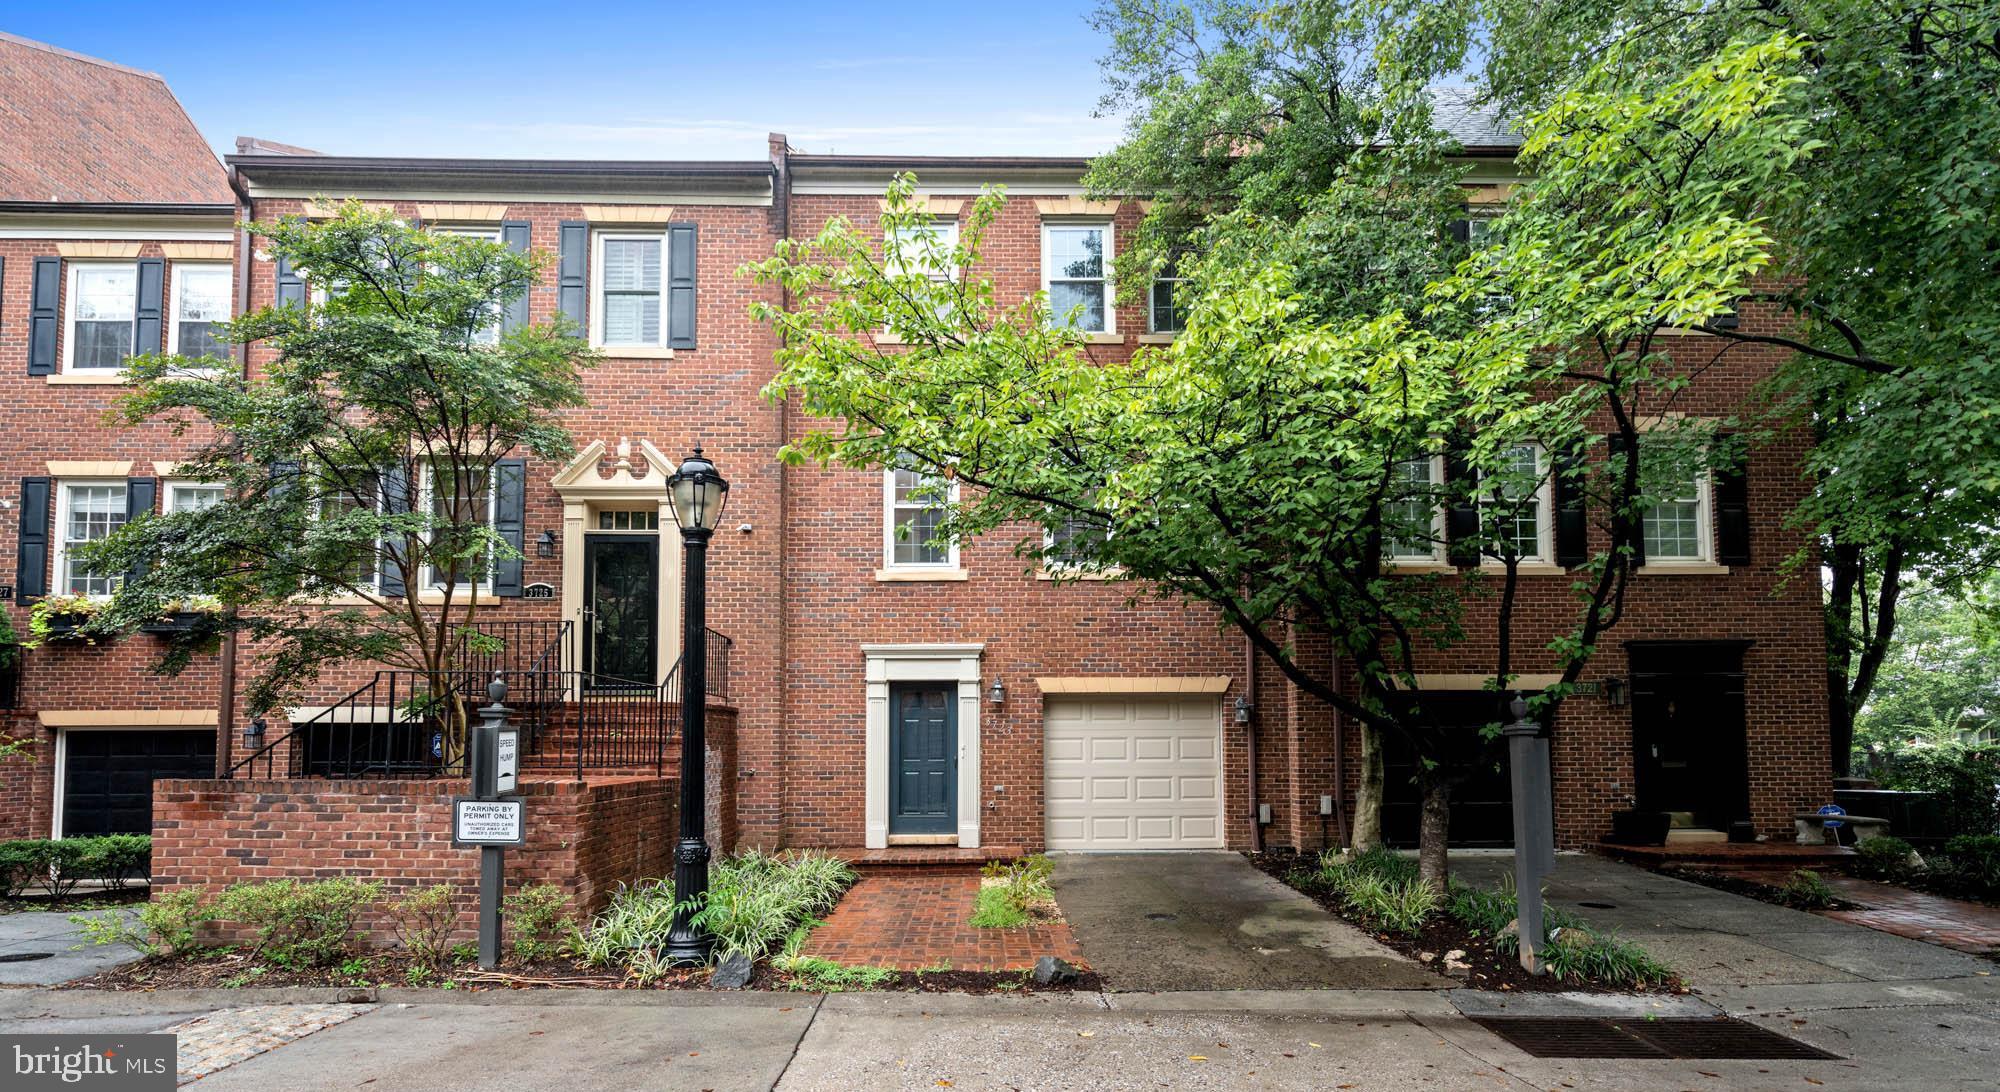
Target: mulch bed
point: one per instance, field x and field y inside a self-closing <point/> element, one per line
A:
<point x="1750" y="889"/>
<point x="390" y="967"/>
<point x="1490" y="970"/>
<point x="77" y="902"/>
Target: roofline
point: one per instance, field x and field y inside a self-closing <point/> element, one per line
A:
<point x="75" y="56"/>
<point x="336" y="164"/>
<point x="122" y="208"/>
<point x="1044" y="162"/>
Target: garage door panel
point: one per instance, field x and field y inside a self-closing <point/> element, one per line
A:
<point x="108" y="775"/>
<point x="1148" y="768"/>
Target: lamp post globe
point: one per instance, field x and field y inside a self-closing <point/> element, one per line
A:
<point x="698" y="492"/>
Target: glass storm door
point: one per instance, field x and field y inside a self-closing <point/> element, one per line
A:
<point x="621" y="614"/>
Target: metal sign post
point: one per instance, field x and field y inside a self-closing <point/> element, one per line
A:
<point x="484" y="819"/>
<point x="1534" y="834"/>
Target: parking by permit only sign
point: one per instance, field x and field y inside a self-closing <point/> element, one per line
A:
<point x="477" y="822"/>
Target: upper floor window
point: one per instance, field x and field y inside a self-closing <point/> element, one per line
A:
<point x="1677" y="527"/>
<point x="488" y="334"/>
<point x="193" y="496"/>
<point x="626" y="297"/>
<point x="86" y="512"/>
<point x="915" y="508"/>
<point x="201" y="303"/>
<point x="1166" y="309"/>
<point x="103" y="301"/>
<point x="462" y="498"/>
<point x="1075" y="259"/>
<point x="1413" y="517"/>
<point x="925" y="249"/>
<point x="1074" y="545"/>
<point x="1520" y="500"/>
<point x="355" y="489"/>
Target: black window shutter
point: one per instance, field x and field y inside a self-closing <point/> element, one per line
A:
<point x="395" y="500"/>
<point x="573" y="246"/>
<point x="510" y="502"/>
<point x="291" y="286"/>
<point x="514" y="235"/>
<point x="1617" y="446"/>
<point x="146" y="324"/>
<point x="1572" y="533"/>
<point x="1461" y="230"/>
<point x="44" y="319"/>
<point x="1461" y="520"/>
<point x="140" y="494"/>
<point x="31" y="558"/>
<point x="680" y="285"/>
<point x="1732" y="513"/>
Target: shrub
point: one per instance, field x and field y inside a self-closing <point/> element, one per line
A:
<point x="755" y="902"/>
<point x="538" y="919"/>
<point x="425" y="922"/>
<point x="165" y="925"/>
<point x="301" y="924"/>
<point x="1884" y="857"/>
<point x="636" y="921"/>
<point x="1390" y="905"/>
<point x="997" y="908"/>
<point x="1961" y="779"/>
<point x="20" y="865"/>
<point x="1805" y="890"/>
<point x="1969" y="864"/>
<point x="1584" y="954"/>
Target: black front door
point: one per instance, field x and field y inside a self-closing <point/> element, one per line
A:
<point x="1690" y="750"/>
<point x="621" y="611"/>
<point x="923" y="758"/>
<point x="108" y="776"/>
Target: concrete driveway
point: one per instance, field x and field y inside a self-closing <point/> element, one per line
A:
<point x="1212" y="921"/>
<point x="35" y="949"/>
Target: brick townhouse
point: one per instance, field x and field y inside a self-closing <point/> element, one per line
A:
<point x="888" y="691"/>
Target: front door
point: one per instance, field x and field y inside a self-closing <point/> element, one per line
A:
<point x="923" y="758"/>
<point x="621" y="609"/>
<point x="1690" y="749"/>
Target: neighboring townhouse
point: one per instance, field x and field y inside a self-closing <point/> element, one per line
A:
<point x="892" y="696"/>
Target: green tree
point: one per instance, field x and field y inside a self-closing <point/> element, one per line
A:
<point x="358" y="464"/>
<point x="1889" y="240"/>
<point x="1252" y="466"/>
<point x="1941" y="677"/>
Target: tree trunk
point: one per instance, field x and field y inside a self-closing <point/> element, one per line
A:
<point x="1843" y="564"/>
<point x="1434" y="831"/>
<point x="1368" y="797"/>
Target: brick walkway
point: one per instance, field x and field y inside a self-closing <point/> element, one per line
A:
<point x="915" y="919"/>
<point x="1953" y="923"/>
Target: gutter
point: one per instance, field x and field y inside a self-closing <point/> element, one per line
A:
<point x="120" y="208"/>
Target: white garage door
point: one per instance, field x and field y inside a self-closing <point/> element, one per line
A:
<point x="1133" y="773"/>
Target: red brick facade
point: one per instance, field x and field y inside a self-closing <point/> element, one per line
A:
<point x="793" y="571"/>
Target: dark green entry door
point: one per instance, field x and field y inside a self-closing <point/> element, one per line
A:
<point x="923" y="758"/>
<point x="621" y="616"/>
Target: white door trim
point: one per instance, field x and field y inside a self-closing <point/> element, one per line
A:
<point x="887" y="664"/>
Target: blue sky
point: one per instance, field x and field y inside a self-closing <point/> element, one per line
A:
<point x="612" y="80"/>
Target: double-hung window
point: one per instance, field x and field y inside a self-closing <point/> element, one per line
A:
<point x="488" y="334"/>
<point x="627" y="301"/>
<point x="915" y="507"/>
<point x="355" y="490"/>
<point x="1076" y="260"/>
<point x="1414" y="530"/>
<point x="1520" y="499"/>
<point x="201" y="304"/>
<point x="1676" y="529"/>
<point x="86" y="512"/>
<point x="925" y="250"/>
<point x="103" y="299"/>
<point x="1166" y="309"/>
<point x="460" y="499"/>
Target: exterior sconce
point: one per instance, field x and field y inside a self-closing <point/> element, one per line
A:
<point x="1615" y="690"/>
<point x="1242" y="709"/>
<point x="253" y="732"/>
<point x="545" y="544"/>
<point x="997" y="693"/>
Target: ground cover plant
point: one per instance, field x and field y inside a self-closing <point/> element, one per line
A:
<point x="1473" y="928"/>
<point x="1015" y="893"/>
<point x="755" y="902"/>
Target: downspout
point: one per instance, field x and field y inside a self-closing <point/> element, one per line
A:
<point x="781" y="200"/>
<point x="1339" y="760"/>
<point x="225" y="705"/>
<point x="1250" y="739"/>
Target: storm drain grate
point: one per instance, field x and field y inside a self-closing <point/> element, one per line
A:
<point x="1677" y="1037"/>
<point x="24" y="957"/>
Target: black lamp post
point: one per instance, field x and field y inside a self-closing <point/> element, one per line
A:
<point x="698" y="493"/>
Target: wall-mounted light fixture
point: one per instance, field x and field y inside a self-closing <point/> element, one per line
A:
<point x="545" y="544"/>
<point x="1615" y="690"/>
<point x="1242" y="709"/>
<point x="997" y="693"/>
<point x="253" y="732"/>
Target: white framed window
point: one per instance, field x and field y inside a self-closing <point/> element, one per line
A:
<point x="193" y="496"/>
<point x="1414" y="517"/>
<point x="913" y="508"/>
<point x="1166" y="309"/>
<point x="86" y="511"/>
<point x="1076" y="264"/>
<point x="923" y="248"/>
<point x="627" y="294"/>
<point x="1525" y="494"/>
<point x="473" y="503"/>
<point x="200" y="304"/>
<point x="357" y="490"/>
<point x="489" y="334"/>
<point x="103" y="301"/>
<point x="1069" y="545"/>
<point x="1679" y="528"/>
